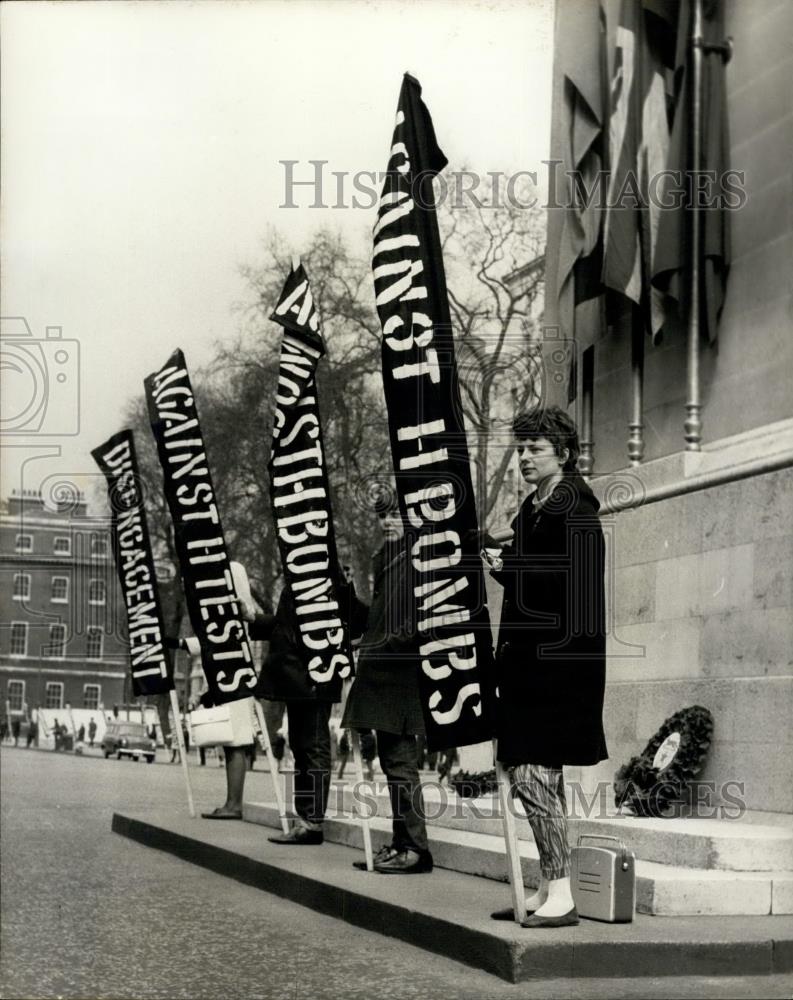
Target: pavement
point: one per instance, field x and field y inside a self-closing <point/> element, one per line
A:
<point x="85" y="912"/>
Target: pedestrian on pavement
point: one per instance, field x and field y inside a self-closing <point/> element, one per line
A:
<point x="33" y="728"/>
<point x="91" y="731"/>
<point x="448" y="758"/>
<point x="551" y="654"/>
<point x="16" y="728"/>
<point x="385" y="695"/>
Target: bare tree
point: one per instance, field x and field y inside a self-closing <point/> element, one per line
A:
<point x="493" y="251"/>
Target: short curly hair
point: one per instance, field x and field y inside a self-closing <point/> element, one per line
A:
<point x="553" y="423"/>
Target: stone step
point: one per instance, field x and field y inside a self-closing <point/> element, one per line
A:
<point x="661" y="890"/>
<point x="741" y="844"/>
<point x="448" y="913"/>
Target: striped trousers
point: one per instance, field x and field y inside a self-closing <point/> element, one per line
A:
<point x="541" y="791"/>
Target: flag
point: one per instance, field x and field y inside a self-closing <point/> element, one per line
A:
<point x="672" y="259"/>
<point x="574" y="253"/>
<point x="428" y="440"/>
<point x="300" y="493"/>
<point x="639" y="126"/>
<point x="150" y="661"/>
<point x="212" y="604"/>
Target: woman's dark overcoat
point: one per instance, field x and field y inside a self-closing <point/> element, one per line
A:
<point x="385" y="693"/>
<point x="284" y="674"/>
<point x="551" y="654"/>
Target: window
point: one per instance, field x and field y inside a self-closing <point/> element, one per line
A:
<point x="94" y="647"/>
<point x="19" y="639"/>
<point x="16" y="695"/>
<point x="96" y="592"/>
<point x="91" y="693"/>
<point x="62" y="545"/>
<point x="98" y="545"/>
<point x="53" y="695"/>
<point x="60" y="589"/>
<point x="57" y="647"/>
<point x="21" y="586"/>
<point x="24" y="543"/>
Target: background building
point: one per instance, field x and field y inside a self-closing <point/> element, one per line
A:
<point x="61" y="638"/>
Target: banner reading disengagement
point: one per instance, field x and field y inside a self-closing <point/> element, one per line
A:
<point x="212" y="603"/>
<point x="150" y="661"/>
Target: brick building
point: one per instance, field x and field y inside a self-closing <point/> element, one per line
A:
<point x="60" y="608"/>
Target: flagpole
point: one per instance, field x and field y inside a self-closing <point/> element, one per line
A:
<point x="514" y="870"/>
<point x="365" y="829"/>
<point x="693" y="423"/>
<point x="177" y="722"/>
<point x="272" y="763"/>
<point x="636" y="425"/>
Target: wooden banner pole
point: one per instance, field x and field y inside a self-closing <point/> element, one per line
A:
<point x="365" y="829"/>
<point x="514" y="870"/>
<point x="272" y="763"/>
<point x="177" y="722"/>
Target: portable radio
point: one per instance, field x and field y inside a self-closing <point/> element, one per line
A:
<point x="604" y="880"/>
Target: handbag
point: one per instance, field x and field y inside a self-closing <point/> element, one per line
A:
<point x="229" y="725"/>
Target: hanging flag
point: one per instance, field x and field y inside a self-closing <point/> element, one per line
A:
<point x="300" y="494"/>
<point x="638" y="152"/>
<point x="212" y="604"/>
<point x="428" y="441"/>
<point x="150" y="661"/>
<point x="577" y="183"/>
<point x="672" y="259"/>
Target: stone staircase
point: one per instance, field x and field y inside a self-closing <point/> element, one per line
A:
<point x="684" y="867"/>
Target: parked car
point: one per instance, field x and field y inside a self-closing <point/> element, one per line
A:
<point x="128" y="739"/>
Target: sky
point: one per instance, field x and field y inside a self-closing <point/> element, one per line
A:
<point x="141" y="149"/>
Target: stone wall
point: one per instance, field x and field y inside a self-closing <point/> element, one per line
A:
<point x="746" y="375"/>
<point x="702" y="613"/>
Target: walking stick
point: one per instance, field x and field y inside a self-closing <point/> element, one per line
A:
<point x="514" y="870"/>
<point x="177" y="724"/>
<point x="264" y="742"/>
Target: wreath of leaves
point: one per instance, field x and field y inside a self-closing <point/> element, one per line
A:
<point x="474" y="785"/>
<point x="650" y="792"/>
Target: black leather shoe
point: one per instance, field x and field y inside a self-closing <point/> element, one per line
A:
<point x="385" y="852"/>
<point x="569" y="919"/>
<point x="406" y="862"/>
<point x="508" y="913"/>
<point x="299" y="836"/>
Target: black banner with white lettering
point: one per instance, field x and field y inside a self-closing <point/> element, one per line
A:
<point x="150" y="661"/>
<point x="428" y="442"/>
<point x="212" y="605"/>
<point x="300" y="494"/>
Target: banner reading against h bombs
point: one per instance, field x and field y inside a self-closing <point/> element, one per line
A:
<point x="150" y="661"/>
<point x="428" y="443"/>
<point x="300" y="494"/>
<point x="212" y="604"/>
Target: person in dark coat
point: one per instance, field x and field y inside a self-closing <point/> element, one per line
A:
<point x="551" y="654"/>
<point x="385" y="695"/>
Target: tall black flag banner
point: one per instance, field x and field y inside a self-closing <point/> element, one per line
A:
<point x="299" y="490"/>
<point x="212" y="604"/>
<point x="428" y="443"/>
<point x="150" y="661"/>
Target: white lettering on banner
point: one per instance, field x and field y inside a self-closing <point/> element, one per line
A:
<point x="298" y="478"/>
<point x="147" y="655"/>
<point x="212" y="601"/>
<point x="453" y="714"/>
<point x="412" y="365"/>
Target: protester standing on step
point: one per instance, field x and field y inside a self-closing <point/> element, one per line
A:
<point x="385" y="695"/>
<point x="551" y="656"/>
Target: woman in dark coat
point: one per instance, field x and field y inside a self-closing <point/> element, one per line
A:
<point x="551" y="654"/>
<point x="385" y="695"/>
